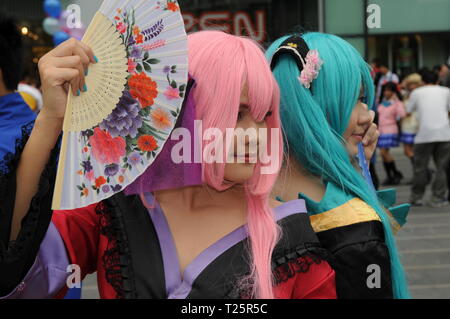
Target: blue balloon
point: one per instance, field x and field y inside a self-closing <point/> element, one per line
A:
<point x="59" y="37"/>
<point x="52" y="8"/>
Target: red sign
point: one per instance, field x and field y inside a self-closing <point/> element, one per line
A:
<point x="239" y="23"/>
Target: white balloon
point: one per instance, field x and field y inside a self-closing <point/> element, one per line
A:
<point x="51" y="25"/>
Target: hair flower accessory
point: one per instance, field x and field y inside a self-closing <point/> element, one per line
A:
<point x="311" y="68"/>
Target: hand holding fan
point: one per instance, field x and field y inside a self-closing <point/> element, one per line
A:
<point x="115" y="130"/>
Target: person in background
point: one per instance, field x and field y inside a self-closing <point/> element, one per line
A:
<point x="29" y="90"/>
<point x="386" y="76"/>
<point x="382" y="76"/>
<point x="444" y="80"/>
<point x="448" y="181"/>
<point x="432" y="103"/>
<point x="444" y="74"/>
<point x="375" y="72"/>
<point x="390" y="110"/>
<point x="410" y="124"/>
<point x="16" y="118"/>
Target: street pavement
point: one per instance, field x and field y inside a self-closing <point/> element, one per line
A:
<point x="424" y="243"/>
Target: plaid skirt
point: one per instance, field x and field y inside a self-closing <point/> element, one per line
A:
<point x="388" y="141"/>
<point x="407" y="138"/>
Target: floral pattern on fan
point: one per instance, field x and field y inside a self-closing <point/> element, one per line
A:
<point x="135" y="129"/>
<point x="169" y="5"/>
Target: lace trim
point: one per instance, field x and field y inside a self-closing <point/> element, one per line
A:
<point x="299" y="265"/>
<point x="14" y="250"/>
<point x="30" y="223"/>
<point x="10" y="160"/>
<point x="297" y="260"/>
<point x="117" y="257"/>
<point x="17" y="257"/>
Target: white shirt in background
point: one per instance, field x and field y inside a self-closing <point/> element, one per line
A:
<point x="432" y="103"/>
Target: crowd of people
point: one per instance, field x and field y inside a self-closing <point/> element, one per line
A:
<point x="309" y="230"/>
<point x="415" y="112"/>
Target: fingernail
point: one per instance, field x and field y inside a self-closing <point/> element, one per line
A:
<point x="96" y="59"/>
<point x="78" y="93"/>
<point x="85" y="88"/>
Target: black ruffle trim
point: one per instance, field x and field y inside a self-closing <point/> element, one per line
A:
<point x="16" y="257"/>
<point x="10" y="160"/>
<point x="298" y="260"/>
<point x="13" y="252"/>
<point x="292" y="262"/>
<point x="7" y="169"/>
<point x="117" y="256"/>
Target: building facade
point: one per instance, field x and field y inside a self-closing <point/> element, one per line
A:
<point x="410" y="34"/>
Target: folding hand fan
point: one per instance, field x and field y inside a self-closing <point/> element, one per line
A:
<point x="115" y="130"/>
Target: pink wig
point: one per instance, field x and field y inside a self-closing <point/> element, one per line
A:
<point x="221" y="64"/>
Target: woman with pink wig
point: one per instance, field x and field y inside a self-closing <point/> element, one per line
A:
<point x="188" y="230"/>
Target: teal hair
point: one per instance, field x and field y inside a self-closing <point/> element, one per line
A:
<point x="315" y="120"/>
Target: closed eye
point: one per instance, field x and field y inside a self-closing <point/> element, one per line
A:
<point x="243" y="108"/>
<point x="268" y="114"/>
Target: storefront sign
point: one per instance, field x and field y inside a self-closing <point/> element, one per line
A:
<point x="238" y="23"/>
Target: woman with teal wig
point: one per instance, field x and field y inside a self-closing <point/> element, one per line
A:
<point x="325" y="88"/>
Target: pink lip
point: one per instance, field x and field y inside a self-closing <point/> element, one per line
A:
<point x="358" y="137"/>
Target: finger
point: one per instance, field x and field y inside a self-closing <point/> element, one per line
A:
<point x="87" y="57"/>
<point x="66" y="87"/>
<point x="374" y="138"/>
<point x="366" y="137"/>
<point x="74" y="62"/>
<point x="88" y="51"/>
<point x="53" y="76"/>
<point x="80" y="82"/>
<point x="67" y="62"/>
<point x="82" y="67"/>
<point x="74" y="47"/>
<point x="78" y="51"/>
<point x="370" y="150"/>
<point x="75" y="85"/>
<point x="371" y="135"/>
<point x="71" y="76"/>
<point x="372" y="116"/>
<point x="65" y="48"/>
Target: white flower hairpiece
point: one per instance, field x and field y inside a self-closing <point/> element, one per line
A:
<point x="311" y="68"/>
